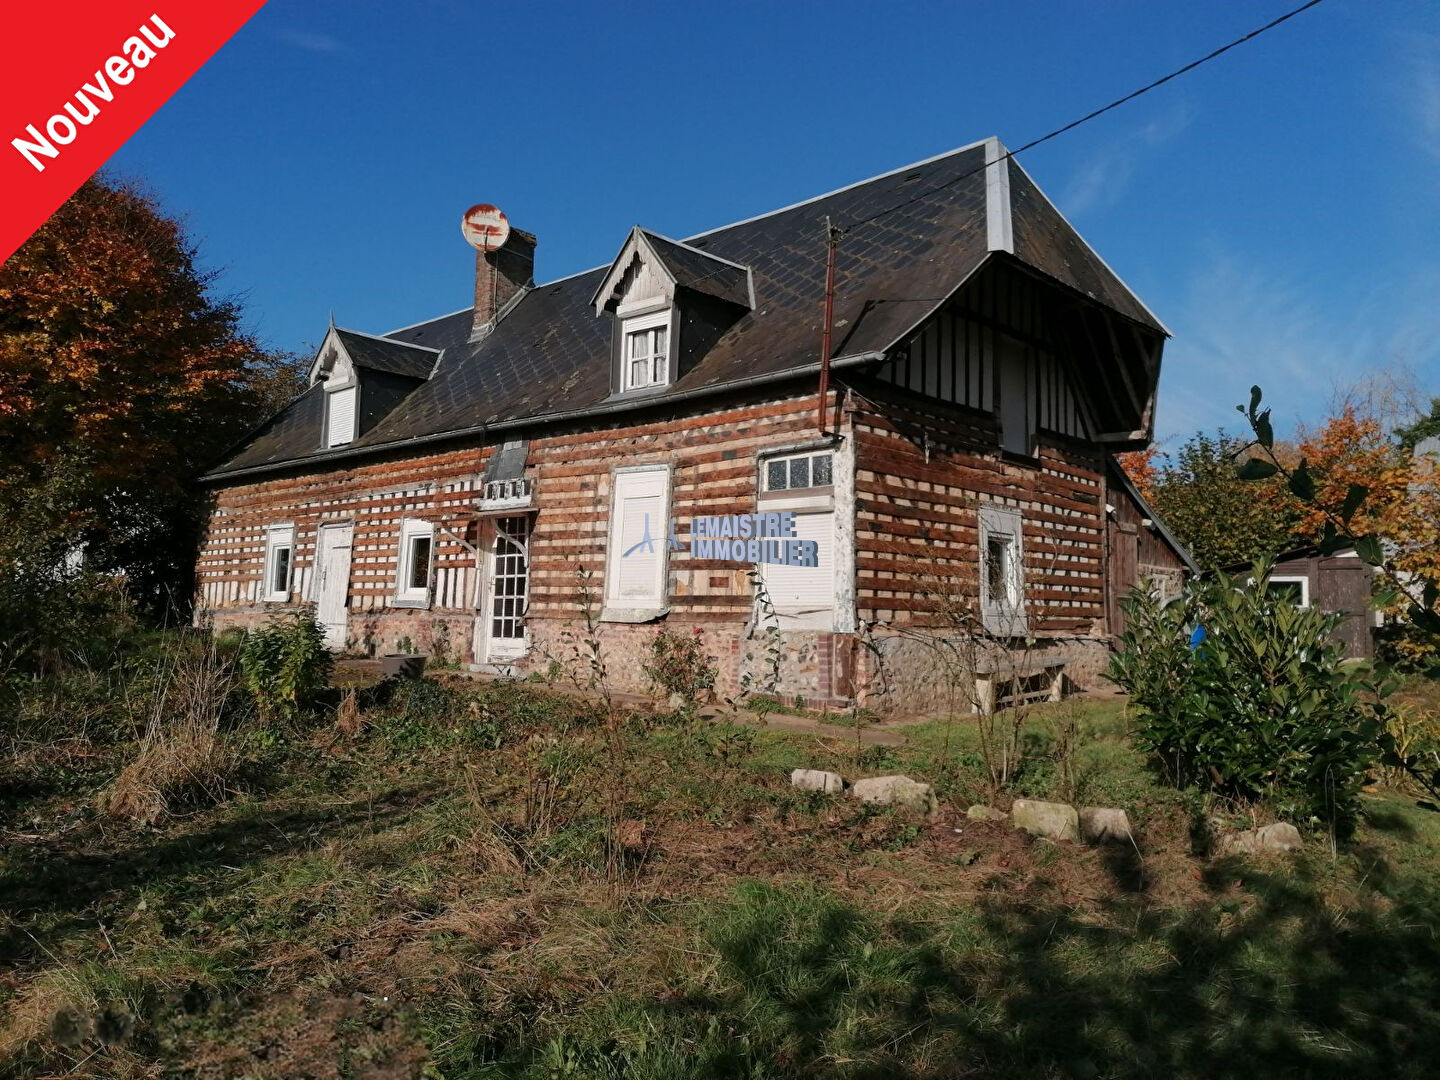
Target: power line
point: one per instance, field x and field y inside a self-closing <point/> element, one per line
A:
<point x="1092" y="115"/>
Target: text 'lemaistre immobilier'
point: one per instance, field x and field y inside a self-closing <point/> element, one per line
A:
<point x="60" y="129"/>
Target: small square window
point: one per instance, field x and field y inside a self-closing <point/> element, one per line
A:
<point x="799" y="471"/>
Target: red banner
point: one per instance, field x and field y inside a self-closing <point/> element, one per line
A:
<point x="79" y="79"/>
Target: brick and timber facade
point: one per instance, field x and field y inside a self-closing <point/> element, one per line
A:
<point x="470" y="488"/>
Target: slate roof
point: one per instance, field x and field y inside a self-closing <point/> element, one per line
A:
<point x="385" y="354"/>
<point x="913" y="236"/>
<point x="700" y="271"/>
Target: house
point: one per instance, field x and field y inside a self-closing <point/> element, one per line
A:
<point x="1339" y="582"/>
<point x="660" y="440"/>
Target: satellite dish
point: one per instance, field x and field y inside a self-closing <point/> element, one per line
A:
<point x="485" y="227"/>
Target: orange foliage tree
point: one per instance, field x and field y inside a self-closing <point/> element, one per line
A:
<point x="122" y="373"/>
<point x="1140" y="467"/>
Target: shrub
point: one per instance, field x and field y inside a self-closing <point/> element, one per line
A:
<point x="285" y="664"/>
<point x="1263" y="708"/>
<point x="679" y="664"/>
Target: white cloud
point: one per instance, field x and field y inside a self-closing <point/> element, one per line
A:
<point x="1422" y="87"/>
<point x="1107" y="171"/>
<point x="1242" y="323"/>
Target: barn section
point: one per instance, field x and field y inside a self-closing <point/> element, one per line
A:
<point x="1338" y="583"/>
<point x="1139" y="548"/>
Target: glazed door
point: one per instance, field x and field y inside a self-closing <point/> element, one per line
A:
<point x="508" y="588"/>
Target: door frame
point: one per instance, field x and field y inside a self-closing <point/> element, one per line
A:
<point x="329" y="528"/>
<point x="488" y="649"/>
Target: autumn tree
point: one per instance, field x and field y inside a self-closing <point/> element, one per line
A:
<point x="1140" y="466"/>
<point x="123" y="374"/>
<point x="1222" y="519"/>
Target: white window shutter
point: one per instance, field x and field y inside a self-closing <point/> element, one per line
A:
<point x="804" y="596"/>
<point x="639" y="510"/>
<point x="340" y="416"/>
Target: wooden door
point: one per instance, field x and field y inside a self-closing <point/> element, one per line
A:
<point x="333" y="588"/>
<point x="1124" y="570"/>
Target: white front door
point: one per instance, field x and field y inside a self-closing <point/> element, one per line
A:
<point x="333" y="587"/>
<point x="508" y="593"/>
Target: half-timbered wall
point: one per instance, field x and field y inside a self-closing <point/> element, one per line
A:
<point x="1000" y="319"/>
<point x="923" y="470"/>
<point x="713" y="461"/>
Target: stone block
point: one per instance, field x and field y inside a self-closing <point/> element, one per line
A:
<point x="1282" y="838"/>
<point x="817" y="780"/>
<point x="1054" y="821"/>
<point x="897" y="791"/>
<point x="1104" y="825"/>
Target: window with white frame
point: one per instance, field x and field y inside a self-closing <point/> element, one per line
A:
<point x="801" y="482"/>
<point x="639" y="535"/>
<point x="645" y="351"/>
<point x="1296" y="588"/>
<point x="809" y="470"/>
<point x="279" y="563"/>
<point x="1002" y="572"/>
<point x="417" y="551"/>
<point x="340" y="409"/>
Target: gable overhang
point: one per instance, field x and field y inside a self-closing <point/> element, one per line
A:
<point x="330" y="345"/>
<point x="635" y="245"/>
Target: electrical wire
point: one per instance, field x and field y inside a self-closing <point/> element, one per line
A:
<point x="1073" y="124"/>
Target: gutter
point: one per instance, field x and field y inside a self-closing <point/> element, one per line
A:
<point x="604" y="409"/>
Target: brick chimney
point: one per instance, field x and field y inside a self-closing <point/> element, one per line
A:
<point x="499" y="276"/>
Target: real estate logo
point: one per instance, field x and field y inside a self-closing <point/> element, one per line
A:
<point x="740" y="538"/>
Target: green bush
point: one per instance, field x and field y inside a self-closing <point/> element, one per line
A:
<point x="285" y="664"/>
<point x="1263" y="708"/>
<point x="679" y="664"/>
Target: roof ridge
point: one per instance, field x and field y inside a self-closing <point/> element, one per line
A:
<point x="734" y="224"/>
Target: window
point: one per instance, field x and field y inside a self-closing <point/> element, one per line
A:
<point x="639" y="535"/>
<point x="279" y="563"/>
<point x="1002" y="572"/>
<point x="799" y="471"/>
<point x="340" y="416"/>
<point x="1296" y="588"/>
<point x="645" y="356"/>
<point x="1013" y="360"/>
<point x="417" y="544"/>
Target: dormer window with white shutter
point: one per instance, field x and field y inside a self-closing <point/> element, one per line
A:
<point x="340" y="413"/>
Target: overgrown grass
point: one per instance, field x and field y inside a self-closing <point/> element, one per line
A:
<point x="435" y="888"/>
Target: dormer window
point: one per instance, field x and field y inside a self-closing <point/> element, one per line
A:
<point x="340" y="414"/>
<point x="647" y="351"/>
<point x="671" y="302"/>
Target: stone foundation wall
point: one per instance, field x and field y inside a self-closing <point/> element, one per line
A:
<point x="812" y="664"/>
<point x="915" y="674"/>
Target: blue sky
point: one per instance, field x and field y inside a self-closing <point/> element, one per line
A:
<point x="1276" y="208"/>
